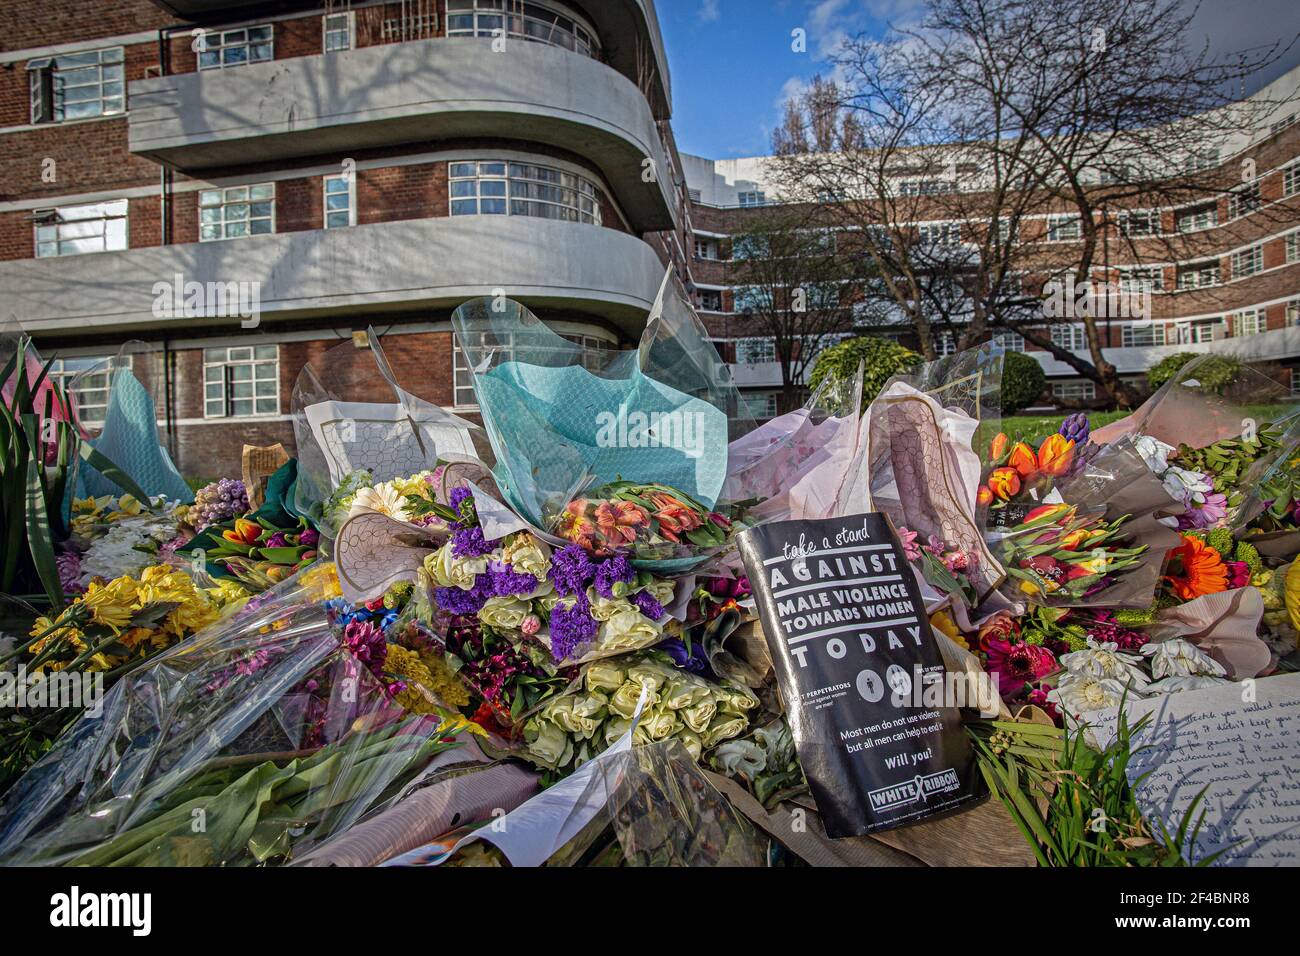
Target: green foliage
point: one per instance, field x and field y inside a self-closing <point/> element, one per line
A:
<point x="1215" y="374"/>
<point x="881" y="360"/>
<point x="1073" y="803"/>
<point x="1023" y="381"/>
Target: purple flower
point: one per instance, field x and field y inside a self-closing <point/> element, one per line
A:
<point x="458" y="497"/>
<point x="617" y="570"/>
<point x="309" y="538"/>
<point x="464" y="603"/>
<point x="571" y="571"/>
<point x="1204" y="515"/>
<point x="647" y="605"/>
<point x="470" y="543"/>
<point x="69" y="566"/>
<point x="277" y="540"/>
<point x="692" y="659"/>
<point x="571" y="627"/>
<point x="367" y="644"/>
<point x="507" y="582"/>
<point x="1076" y="427"/>
<point x="461" y="501"/>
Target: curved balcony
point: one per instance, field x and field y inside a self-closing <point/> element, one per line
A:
<point x="341" y="274"/>
<point x="407" y="93"/>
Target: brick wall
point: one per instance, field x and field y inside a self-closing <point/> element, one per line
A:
<point x="36" y="23"/>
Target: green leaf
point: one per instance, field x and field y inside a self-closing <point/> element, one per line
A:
<point x="102" y="464"/>
<point x="39" y="540"/>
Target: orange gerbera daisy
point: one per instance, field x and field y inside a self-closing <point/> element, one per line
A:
<point x="1203" y="570"/>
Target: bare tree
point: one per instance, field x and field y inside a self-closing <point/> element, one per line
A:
<point x="1023" y="133"/>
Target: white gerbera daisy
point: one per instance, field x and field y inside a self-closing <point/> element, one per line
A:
<point x="1180" y="658"/>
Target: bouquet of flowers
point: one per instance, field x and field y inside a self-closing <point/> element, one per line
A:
<point x="259" y="553"/>
<point x="112" y="536"/>
<point x="1061" y="554"/>
<point x="572" y="728"/>
<point x="1014" y="473"/>
<point x="646" y="521"/>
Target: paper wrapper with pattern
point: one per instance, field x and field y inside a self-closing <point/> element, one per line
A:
<point x="341" y="429"/>
<point x="1223" y="625"/>
<point x="262" y="727"/>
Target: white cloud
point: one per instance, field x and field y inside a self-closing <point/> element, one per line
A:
<point x="710" y="11"/>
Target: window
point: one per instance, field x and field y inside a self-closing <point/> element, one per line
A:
<point x="695" y="195"/>
<point x="241" y="382"/>
<point x="76" y="86"/>
<point x="236" y="211"/>
<point x="752" y="298"/>
<point x="1004" y="231"/>
<point x="1064" y="228"/>
<point x="1293" y="246"/>
<point x="945" y="343"/>
<point x="74" y="230"/>
<point x="752" y="198"/>
<point x="1204" y="330"/>
<point x="939" y="233"/>
<point x="745" y="248"/>
<point x="463" y="375"/>
<point x="1281" y="124"/>
<point x="527" y="21"/>
<point x="93" y="387"/>
<point x="1010" y="341"/>
<point x="1139" y="222"/>
<point x="1293" y="312"/>
<point x="926" y="187"/>
<point x="222" y="48"/>
<point x="495" y="188"/>
<point x="1200" y="217"/>
<point x="1199" y="161"/>
<point x="1243" y="200"/>
<point x="1295" y="380"/>
<point x="706" y="249"/>
<point x="1143" y="279"/>
<point x="1140" y="335"/>
<point x="1291" y="179"/>
<point x="1248" y="261"/>
<point x="1199" y="275"/>
<point x="1069" y="337"/>
<point x="1250" y="322"/>
<point x="1079" y="390"/>
<point x="340" y="202"/>
<point x="337" y="30"/>
<point x="754" y="351"/>
<point x="821" y="295"/>
<point x="761" y="405"/>
<point x="710" y="300"/>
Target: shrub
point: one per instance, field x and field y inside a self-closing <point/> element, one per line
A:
<point x="1216" y="373"/>
<point x="1023" y="381"/>
<point x="881" y="360"/>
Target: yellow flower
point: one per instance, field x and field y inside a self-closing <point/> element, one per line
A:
<point x="111" y="605"/>
<point x="942" y="621"/>
<point x="128" y="506"/>
<point x="228" y="594"/>
<point x="322" y="581"/>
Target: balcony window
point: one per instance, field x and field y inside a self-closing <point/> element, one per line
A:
<point x="537" y="22"/>
<point x="1141" y="335"/>
<point x="761" y="405"/>
<point x="1245" y="199"/>
<point x="939" y="233"/>
<point x="340" y="202"/>
<point x="1146" y="279"/>
<point x="1248" y="261"/>
<point x="76" y="86"/>
<point x="1293" y="312"/>
<point x="76" y="230"/>
<point x="1064" y="228"/>
<point x="752" y="299"/>
<point x="1069" y="337"/>
<point x="710" y="300"/>
<point x="1010" y="341"/>
<point x="522" y="189"/>
<point x="224" y="48"/>
<point x="1250" y="322"/>
<point x="337" y="32"/>
<point x="706" y="249"/>
<point x="755" y="351"/>
<point x="1204" y="330"/>
<point x="926" y="187"/>
<point x="1076" y="391"/>
<point x="1293" y="246"/>
<point x="1139" y="222"/>
<point x="90" y="380"/>
<point x="241" y="382"/>
<point x="236" y="212"/>
<point x="1201" y="217"/>
<point x="751" y="198"/>
<point x="1291" y="179"/>
<point x="1199" y="275"/>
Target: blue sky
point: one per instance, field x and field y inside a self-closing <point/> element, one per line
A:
<point x="732" y="63"/>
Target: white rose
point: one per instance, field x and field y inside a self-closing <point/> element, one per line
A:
<point x="453" y="572"/>
<point x="529" y="555"/>
<point x="505" y="614"/>
<point x="628" y="630"/>
<point x="602" y="609"/>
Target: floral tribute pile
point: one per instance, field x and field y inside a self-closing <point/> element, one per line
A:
<point x="217" y="639"/>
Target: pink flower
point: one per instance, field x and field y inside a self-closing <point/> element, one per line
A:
<point x="531" y="625"/>
<point x="1238" y="574"/>
<point x="957" y="561"/>
<point x="1015" y="665"/>
<point x="911" y="550"/>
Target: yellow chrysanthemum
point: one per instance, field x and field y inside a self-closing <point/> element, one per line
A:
<point x="111" y="605"/>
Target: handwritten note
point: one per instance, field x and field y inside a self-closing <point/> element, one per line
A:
<point x="1239" y="742"/>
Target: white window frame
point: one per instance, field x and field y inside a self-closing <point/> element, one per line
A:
<point x="755" y="350"/>
<point x="1082" y="390"/>
<point x="740" y="297"/>
<point x="1244" y="200"/>
<point x="1291" y="179"/>
<point x="1056" y="228"/>
<point x="1010" y="341"/>
<point x="219" y="371"/>
<point x="1142" y="279"/>
<point x="1200" y="331"/>
<point x="56" y="70"/>
<point x="1249" y="322"/>
<point x="61" y="222"/>
<point x="704" y="306"/>
<point x="939" y="233"/>
<point x="1151" y="217"/>
<point x="350" y="192"/>
<point x="751" y="198"/>
<point x="706" y="249"/>
<point x="1293" y="312"/>
<point x="1143" y="335"/>
<point x="92" y="395"/>
<point x="1069" y="336"/>
<point x="226" y="193"/>
<point x="770" y="406"/>
<point x="247" y="44"/>
<point x="488" y="19"/>
<point x="349" y="18"/>
<point x="1198" y="218"/>
<point x="1205" y="275"/>
<point x="485" y="171"/>
<point x="1293" y="246"/>
<point x="1248" y="262"/>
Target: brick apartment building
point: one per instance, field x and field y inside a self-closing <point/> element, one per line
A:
<point x="1223" y="271"/>
<point x="366" y="163"/>
<point x="378" y="163"/>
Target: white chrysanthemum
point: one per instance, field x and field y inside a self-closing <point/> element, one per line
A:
<point x="384" y="498"/>
<point x="1106" y="660"/>
<point x="1180" y="658"/>
<point x="1084" y="693"/>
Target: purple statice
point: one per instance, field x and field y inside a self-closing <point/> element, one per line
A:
<point x="1077" y="428"/>
<point x="647" y="605"/>
<point x="461" y="501"/>
<point x="617" y="570"/>
<point x="507" y="582"/>
<point x="464" y="603"/>
<point x="470" y="543"/>
<point x="69" y="566"/>
<point x="571" y="627"/>
<point x="571" y="571"/>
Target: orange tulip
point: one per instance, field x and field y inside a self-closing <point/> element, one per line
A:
<point x="1055" y="455"/>
<point x="998" y="447"/>
<point x="1022" y="459"/>
<point x="984" y="496"/>
<point x="1004" y="482"/>
<point x="245" y="532"/>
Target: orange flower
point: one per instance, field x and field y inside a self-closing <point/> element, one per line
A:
<point x="1023" y="461"/>
<point x="998" y="447"/>
<point x="1203" y="570"/>
<point x="1055" y="455"/>
<point x="1004" y="482"/>
<point x="618" y="521"/>
<point x="245" y="532"/>
<point x="674" y="517"/>
<point x="577" y="527"/>
<point x="984" y="496"/>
